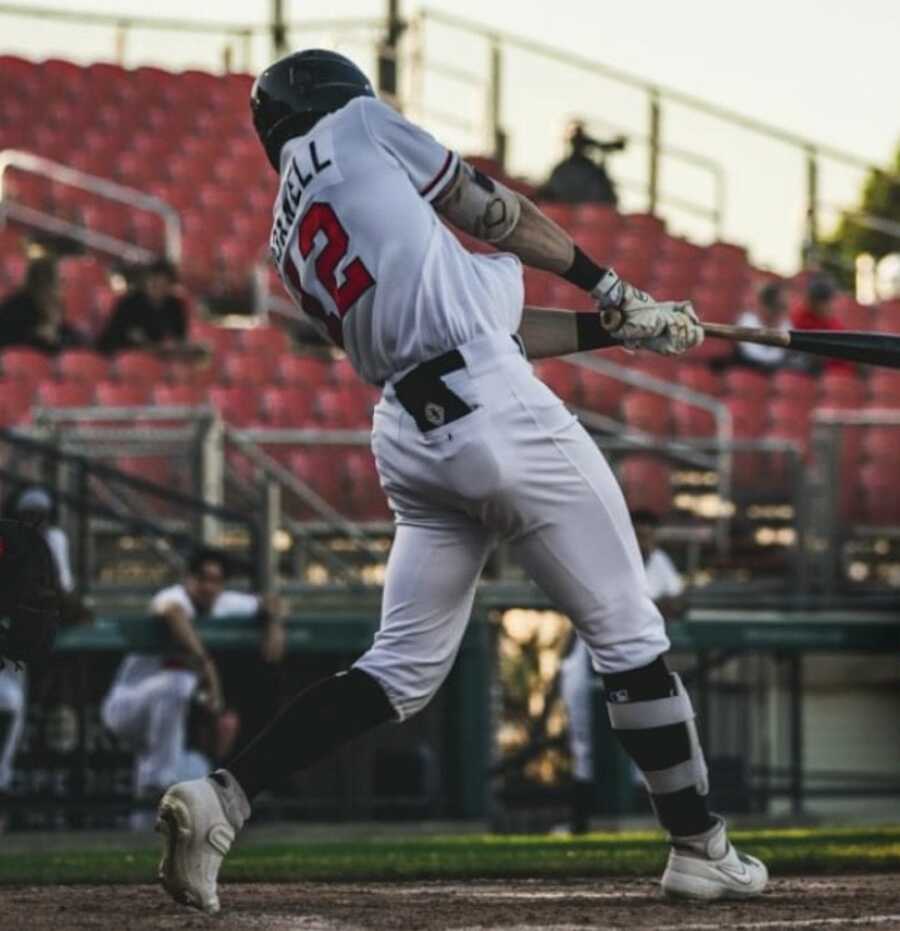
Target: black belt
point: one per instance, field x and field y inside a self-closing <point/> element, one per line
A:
<point x="426" y="398"/>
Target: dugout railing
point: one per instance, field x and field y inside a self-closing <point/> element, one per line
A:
<point x="750" y="674"/>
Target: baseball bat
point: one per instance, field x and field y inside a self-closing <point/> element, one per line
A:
<point x="868" y="348"/>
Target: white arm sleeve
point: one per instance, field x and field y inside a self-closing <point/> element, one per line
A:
<point x="59" y="547"/>
<point x="430" y="165"/>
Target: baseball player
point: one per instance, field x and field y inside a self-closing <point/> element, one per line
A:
<point x="470" y="447"/>
<point x="148" y="702"/>
<point x="665" y="587"/>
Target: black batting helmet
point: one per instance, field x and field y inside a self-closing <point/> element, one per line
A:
<point x="293" y="94"/>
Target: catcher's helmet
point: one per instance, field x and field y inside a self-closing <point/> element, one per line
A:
<point x="293" y="94"/>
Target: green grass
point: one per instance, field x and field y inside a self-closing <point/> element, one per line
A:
<point x="467" y="857"/>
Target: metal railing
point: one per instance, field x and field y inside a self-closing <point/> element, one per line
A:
<point x="498" y="92"/>
<point x="102" y="187"/>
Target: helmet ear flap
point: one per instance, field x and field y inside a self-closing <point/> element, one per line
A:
<point x="297" y="124"/>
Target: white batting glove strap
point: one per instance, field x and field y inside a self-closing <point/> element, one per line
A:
<point x="612" y="293"/>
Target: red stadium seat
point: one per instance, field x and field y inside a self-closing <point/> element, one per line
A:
<point x="562" y="377"/>
<point x="238" y="405"/>
<point x="83" y="365"/>
<point x="699" y="378"/>
<point x="692" y="421"/>
<point x="244" y="368"/>
<point x="656" y="366"/>
<point x="881" y="502"/>
<point x="66" y="394"/>
<point x="742" y="383"/>
<point x="646" y="411"/>
<point x="27" y="364"/>
<point x="748" y="418"/>
<point x="124" y="394"/>
<point x="882" y="444"/>
<point x="303" y="370"/>
<point x="365" y="496"/>
<point x="646" y="482"/>
<point x="180" y="395"/>
<point x="790" y="411"/>
<point x="270" y="341"/>
<point x="884" y="388"/>
<point x="599" y="392"/>
<point x="288" y="406"/>
<point x="796" y="386"/>
<point x="843" y="389"/>
<point x="142" y="368"/>
<point x="16" y="399"/>
<point x="319" y="468"/>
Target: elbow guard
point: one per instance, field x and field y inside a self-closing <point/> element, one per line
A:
<point x="482" y="206"/>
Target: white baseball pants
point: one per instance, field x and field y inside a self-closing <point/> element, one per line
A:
<point x="150" y="716"/>
<point x="13" y="704"/>
<point x="521" y="468"/>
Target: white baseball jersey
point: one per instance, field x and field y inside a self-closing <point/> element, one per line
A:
<point x="361" y="250"/>
<point x="136" y="667"/>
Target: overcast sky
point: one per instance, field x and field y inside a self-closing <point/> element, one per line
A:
<point x="827" y="69"/>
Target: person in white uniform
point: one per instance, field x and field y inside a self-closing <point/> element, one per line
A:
<point x="470" y="448"/>
<point x="147" y="705"/>
<point x="34" y="506"/>
<point x="666" y="589"/>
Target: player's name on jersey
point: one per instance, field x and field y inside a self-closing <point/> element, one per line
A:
<point x="304" y="167"/>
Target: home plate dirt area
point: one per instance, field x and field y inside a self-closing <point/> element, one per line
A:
<point x="863" y="901"/>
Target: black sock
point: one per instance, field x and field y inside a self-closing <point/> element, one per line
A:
<point x="314" y="724"/>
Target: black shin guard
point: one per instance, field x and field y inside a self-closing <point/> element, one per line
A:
<point x="652" y="716"/>
<point x="315" y="723"/>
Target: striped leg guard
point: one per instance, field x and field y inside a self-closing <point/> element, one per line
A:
<point x="651" y="713"/>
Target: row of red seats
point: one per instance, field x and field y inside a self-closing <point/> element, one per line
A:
<point x="259" y="360"/>
<point x="277" y="406"/>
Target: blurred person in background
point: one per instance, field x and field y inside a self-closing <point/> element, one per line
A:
<point x="33" y="315"/>
<point x="577" y="677"/>
<point x="34" y="505"/>
<point x="155" y="697"/>
<point x="151" y="315"/>
<point x="581" y="177"/>
<point x="771" y="312"/>
<point x="815" y="312"/>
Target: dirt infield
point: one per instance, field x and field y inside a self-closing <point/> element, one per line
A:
<point x="811" y="903"/>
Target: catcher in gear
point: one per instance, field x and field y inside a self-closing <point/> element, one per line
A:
<point x="29" y="595"/>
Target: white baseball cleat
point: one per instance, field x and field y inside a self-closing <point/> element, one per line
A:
<point x="706" y="866"/>
<point x="198" y="821"/>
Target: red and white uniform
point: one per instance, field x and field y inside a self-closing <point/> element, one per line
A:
<point x="362" y="251"/>
<point x="360" y="248"/>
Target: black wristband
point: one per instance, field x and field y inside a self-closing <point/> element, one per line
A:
<point x="584" y="272"/>
<point x="591" y="334"/>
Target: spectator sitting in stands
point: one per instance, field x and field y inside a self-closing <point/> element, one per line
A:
<point x="33" y="315"/>
<point x="814" y="313"/>
<point x="152" y="316"/>
<point x="770" y="313"/>
<point x="579" y="178"/>
<point x="149" y="703"/>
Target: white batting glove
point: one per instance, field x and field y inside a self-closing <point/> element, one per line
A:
<point x="683" y="331"/>
<point x="666" y="327"/>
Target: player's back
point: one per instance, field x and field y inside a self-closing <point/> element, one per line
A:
<point x="361" y="249"/>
